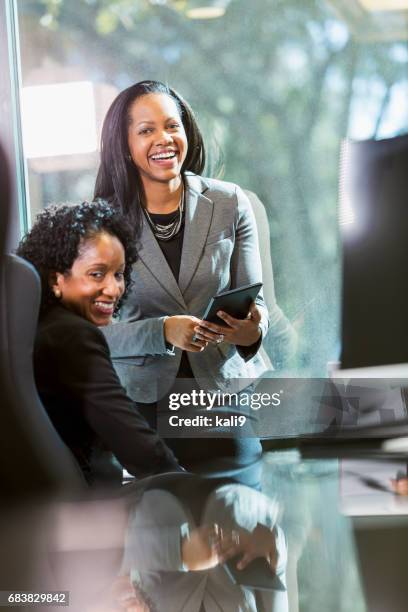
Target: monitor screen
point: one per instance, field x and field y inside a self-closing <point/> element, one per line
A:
<point x="373" y="217"/>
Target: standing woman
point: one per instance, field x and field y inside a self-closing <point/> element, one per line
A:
<point x="196" y="237"/>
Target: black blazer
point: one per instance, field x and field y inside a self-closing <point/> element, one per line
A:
<point x="87" y="404"/>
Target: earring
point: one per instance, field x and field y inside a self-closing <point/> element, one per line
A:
<point x="129" y="157"/>
<point x="57" y="293"/>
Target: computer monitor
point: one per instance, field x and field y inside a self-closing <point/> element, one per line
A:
<point x="373" y="217"/>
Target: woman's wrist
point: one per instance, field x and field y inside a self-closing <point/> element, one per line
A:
<point x="169" y="346"/>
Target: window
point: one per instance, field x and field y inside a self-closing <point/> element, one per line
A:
<point x="276" y="85"/>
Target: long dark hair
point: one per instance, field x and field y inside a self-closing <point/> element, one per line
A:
<point x="118" y="178"/>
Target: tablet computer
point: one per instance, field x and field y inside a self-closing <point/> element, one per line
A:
<point x="256" y="575"/>
<point x="235" y="302"/>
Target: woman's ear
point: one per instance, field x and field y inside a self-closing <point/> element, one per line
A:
<point x="55" y="281"/>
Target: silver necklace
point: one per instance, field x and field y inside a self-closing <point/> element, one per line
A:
<point x="168" y="231"/>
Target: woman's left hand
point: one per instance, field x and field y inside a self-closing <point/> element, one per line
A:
<point x="261" y="542"/>
<point x="242" y="332"/>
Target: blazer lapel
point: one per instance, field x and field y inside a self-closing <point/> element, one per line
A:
<point x="199" y="211"/>
<point x="152" y="256"/>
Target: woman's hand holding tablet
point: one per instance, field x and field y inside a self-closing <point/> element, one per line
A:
<point x="241" y="332"/>
<point x="237" y="309"/>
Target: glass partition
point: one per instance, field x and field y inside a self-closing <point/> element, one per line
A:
<point x="276" y="85"/>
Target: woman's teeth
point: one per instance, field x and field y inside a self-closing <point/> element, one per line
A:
<point x="164" y="155"/>
<point x="105" y="307"/>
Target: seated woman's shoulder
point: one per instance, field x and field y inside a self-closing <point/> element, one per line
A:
<point x="67" y="326"/>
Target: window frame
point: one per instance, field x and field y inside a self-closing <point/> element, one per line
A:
<point x="10" y="121"/>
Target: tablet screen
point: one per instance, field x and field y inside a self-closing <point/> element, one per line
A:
<point x="235" y="303"/>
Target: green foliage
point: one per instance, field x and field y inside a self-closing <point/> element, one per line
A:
<point x="273" y="83"/>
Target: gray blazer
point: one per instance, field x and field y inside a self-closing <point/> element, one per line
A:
<point x="153" y="553"/>
<point x="220" y="252"/>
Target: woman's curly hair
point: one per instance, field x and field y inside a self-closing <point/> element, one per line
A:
<point x="53" y="243"/>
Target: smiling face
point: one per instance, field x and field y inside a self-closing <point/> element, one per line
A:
<point x="156" y="138"/>
<point x="95" y="283"/>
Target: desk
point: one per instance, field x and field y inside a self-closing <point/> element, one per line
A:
<point x="335" y="512"/>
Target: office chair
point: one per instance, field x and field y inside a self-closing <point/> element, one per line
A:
<point x="280" y="346"/>
<point x="35" y="466"/>
<point x="37" y="456"/>
<point x="33" y="459"/>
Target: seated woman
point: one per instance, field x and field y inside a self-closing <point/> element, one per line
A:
<point x="84" y="254"/>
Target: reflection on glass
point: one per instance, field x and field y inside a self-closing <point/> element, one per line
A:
<point x="214" y="545"/>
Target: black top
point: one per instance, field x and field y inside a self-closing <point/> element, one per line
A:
<point x="87" y="404"/>
<point x="172" y="248"/>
